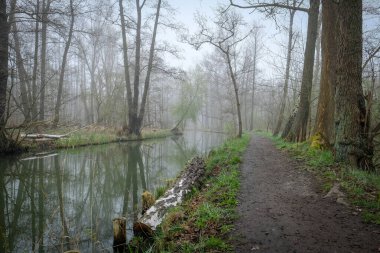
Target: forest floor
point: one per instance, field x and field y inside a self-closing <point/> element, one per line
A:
<point x="283" y="208"/>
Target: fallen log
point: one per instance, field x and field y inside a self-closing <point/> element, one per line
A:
<point x="39" y="136"/>
<point x="190" y="177"/>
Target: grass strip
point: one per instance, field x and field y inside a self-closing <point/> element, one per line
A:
<point x="203" y="221"/>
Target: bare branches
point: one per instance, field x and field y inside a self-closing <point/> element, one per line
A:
<point x="269" y="7"/>
<point x="224" y="35"/>
<point x="371" y="56"/>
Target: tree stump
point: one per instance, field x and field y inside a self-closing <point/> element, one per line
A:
<point x="119" y="234"/>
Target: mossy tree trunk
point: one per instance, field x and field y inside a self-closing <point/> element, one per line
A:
<point x="324" y="125"/>
<point x="299" y="127"/>
<point x="351" y="140"/>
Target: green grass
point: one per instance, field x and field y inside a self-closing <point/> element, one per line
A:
<point x="202" y="222"/>
<point x="160" y="191"/>
<point x="362" y="188"/>
<point x="206" y="214"/>
<point x="85" y="138"/>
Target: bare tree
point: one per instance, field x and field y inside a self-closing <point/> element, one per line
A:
<point x="45" y="11"/>
<point x="4" y="38"/>
<point x="299" y="126"/>
<point x="136" y="116"/>
<point x="298" y="123"/>
<point x="35" y="64"/>
<point x="280" y="119"/>
<point x="63" y="66"/>
<point x="225" y="36"/>
<point x="21" y="69"/>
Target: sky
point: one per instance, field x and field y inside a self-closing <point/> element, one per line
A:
<point x="272" y="37"/>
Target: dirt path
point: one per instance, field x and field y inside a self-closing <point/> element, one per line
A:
<point x="282" y="210"/>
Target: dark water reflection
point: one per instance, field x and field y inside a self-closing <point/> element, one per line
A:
<point x="68" y="200"/>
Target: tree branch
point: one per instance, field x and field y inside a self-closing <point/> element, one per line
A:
<point x="269" y="5"/>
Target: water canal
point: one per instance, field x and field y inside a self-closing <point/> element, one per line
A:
<point x="72" y="196"/>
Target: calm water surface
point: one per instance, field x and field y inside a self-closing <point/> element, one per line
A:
<point x="68" y="200"/>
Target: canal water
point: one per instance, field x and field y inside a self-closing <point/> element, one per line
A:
<point x="68" y="199"/>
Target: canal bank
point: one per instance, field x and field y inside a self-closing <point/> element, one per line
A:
<point x="204" y="220"/>
<point x="77" y="192"/>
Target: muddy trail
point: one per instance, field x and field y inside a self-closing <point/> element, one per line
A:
<point x="282" y="209"/>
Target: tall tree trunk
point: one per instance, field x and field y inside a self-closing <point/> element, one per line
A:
<point x="254" y="73"/>
<point x="45" y="10"/>
<point x="150" y="67"/>
<point x="324" y="125"/>
<point x="133" y="117"/>
<point x="351" y="140"/>
<point x="126" y="60"/>
<point x="299" y="127"/>
<point x="236" y="90"/>
<point x="63" y="67"/>
<point x="35" y="64"/>
<point x="4" y="36"/>
<point x="23" y="75"/>
<point x="287" y="74"/>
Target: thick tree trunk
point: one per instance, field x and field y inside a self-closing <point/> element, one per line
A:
<point x="133" y="117"/>
<point x="147" y="224"/>
<point x="287" y="74"/>
<point x="299" y="127"/>
<point x="324" y="125"/>
<point x="4" y="33"/>
<point x="63" y="67"/>
<point x="351" y="140"/>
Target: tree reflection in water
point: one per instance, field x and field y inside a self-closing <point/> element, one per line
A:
<point x="68" y="201"/>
